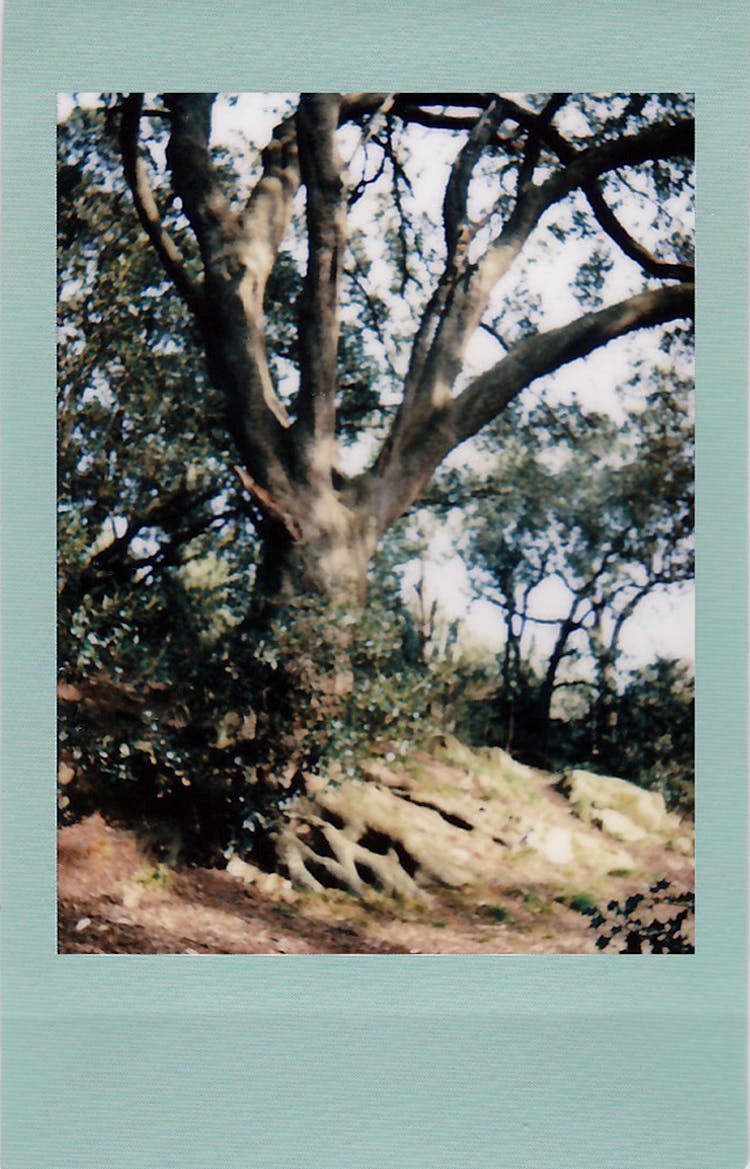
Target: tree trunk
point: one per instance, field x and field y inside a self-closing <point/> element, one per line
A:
<point x="316" y="545"/>
<point x="547" y="688"/>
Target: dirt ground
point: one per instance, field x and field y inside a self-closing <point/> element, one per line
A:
<point x="114" y="897"/>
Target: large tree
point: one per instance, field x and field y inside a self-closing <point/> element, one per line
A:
<point x="266" y="353"/>
<point x="514" y="162"/>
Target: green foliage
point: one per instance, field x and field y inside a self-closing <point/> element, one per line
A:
<point x="655" y="731"/>
<point x="657" y="922"/>
<point x="497" y="912"/>
<point x="221" y="748"/>
<point x="354" y="680"/>
<point x="582" y="902"/>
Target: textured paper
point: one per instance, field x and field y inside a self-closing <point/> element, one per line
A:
<point x="336" y="1062"/>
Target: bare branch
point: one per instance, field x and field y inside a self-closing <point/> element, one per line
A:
<point x="399" y="176"/>
<point x="375" y="314"/>
<point x="357" y="106"/>
<point x="269" y="505"/>
<point x="662" y="140"/>
<point x="457" y="187"/>
<point x="146" y="208"/>
<point x="629" y="246"/>
<point x="431" y="118"/>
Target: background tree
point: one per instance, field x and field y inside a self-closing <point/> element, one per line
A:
<point x="610" y="525"/>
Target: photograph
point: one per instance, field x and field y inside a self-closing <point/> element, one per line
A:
<point x="375" y="523"/>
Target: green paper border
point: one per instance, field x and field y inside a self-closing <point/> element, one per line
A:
<point x="471" y="1062"/>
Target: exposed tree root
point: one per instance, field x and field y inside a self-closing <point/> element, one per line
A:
<point x="467" y="818"/>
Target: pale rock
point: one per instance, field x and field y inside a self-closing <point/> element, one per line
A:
<point x="588" y="792"/>
<point x="242" y="870"/>
<point x="619" y="826"/>
<point x="554" y="843"/>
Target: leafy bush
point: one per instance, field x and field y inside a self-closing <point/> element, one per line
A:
<point x="657" y="922"/>
<point x="221" y="747"/>
<point x="653" y="740"/>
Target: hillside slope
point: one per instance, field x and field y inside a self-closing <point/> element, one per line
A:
<point x="455" y="851"/>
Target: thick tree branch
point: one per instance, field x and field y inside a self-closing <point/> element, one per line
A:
<point x="457" y="238"/>
<point x="457" y="187"/>
<point x="611" y="225"/>
<point x="265" y="219"/>
<point x="146" y="208"/>
<point x="535" y="138"/>
<point x="317" y="119"/>
<point x="491" y="392"/>
<point x="440" y="351"/>
<point x="356" y="106"/>
<point x="541" y="131"/>
<point x="431" y="119"/>
<point x="544" y="132"/>
<point x="663" y="140"/>
<point x="193" y="173"/>
<point x="238" y="250"/>
<point x="427" y="437"/>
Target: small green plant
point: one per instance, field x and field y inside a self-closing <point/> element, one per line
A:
<point x="581" y="902"/>
<point x="157" y="877"/>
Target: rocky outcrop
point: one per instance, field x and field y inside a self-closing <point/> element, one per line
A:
<point x="625" y="811"/>
<point x="461" y="818"/>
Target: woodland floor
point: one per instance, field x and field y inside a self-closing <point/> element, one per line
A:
<point x="115" y="897"/>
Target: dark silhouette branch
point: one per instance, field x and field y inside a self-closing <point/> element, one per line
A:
<point x="535" y="139"/>
<point x="145" y="204"/>
<point x="455" y="221"/>
<point x="113" y="563"/>
<point x="630" y="247"/>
